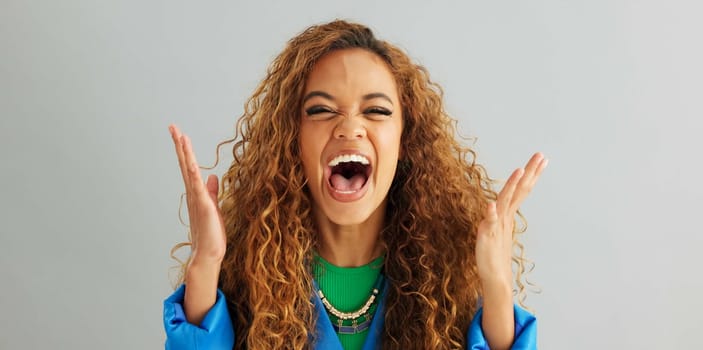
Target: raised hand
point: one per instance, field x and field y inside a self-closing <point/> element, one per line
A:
<point x="207" y="232"/>
<point x="494" y="242"/>
<point x="494" y="249"/>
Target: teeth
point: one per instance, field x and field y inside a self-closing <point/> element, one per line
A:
<point x="346" y="158"/>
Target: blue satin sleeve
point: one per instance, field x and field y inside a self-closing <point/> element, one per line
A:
<point x="215" y="332"/>
<point x="525" y="331"/>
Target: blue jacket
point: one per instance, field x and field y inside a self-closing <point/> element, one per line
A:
<point x="216" y="332"/>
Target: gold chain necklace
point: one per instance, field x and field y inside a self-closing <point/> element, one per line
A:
<point x="354" y="316"/>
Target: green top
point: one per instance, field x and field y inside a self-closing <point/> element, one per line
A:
<point x="347" y="289"/>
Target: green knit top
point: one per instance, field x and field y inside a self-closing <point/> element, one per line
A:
<point x="348" y="289"/>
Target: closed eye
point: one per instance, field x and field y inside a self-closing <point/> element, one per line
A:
<point x="378" y="112"/>
<point x="319" y="111"/>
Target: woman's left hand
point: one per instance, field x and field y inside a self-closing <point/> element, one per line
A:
<point x="494" y="241"/>
<point x="494" y="251"/>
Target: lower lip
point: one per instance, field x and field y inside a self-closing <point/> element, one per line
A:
<point x="347" y="196"/>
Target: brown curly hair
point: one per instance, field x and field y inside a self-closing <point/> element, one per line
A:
<point x="437" y="199"/>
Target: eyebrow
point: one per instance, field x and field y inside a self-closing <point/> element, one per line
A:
<point x="366" y="97"/>
<point x="373" y="95"/>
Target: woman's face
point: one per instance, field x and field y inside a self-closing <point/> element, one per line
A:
<point x="350" y="135"/>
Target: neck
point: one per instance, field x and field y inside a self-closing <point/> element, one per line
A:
<point x="350" y="245"/>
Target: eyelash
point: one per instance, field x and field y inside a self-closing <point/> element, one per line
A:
<point x="318" y="110"/>
<point x="378" y="110"/>
<point x="373" y="110"/>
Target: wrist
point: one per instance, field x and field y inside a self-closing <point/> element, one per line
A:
<point x="202" y="272"/>
<point x="201" y="290"/>
<point x="497" y="292"/>
<point x="205" y="261"/>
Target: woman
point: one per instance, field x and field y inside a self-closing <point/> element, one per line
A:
<point x="350" y="216"/>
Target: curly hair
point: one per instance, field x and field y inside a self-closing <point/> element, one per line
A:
<point x="431" y="221"/>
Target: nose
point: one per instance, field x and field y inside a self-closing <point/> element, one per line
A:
<point x="350" y="128"/>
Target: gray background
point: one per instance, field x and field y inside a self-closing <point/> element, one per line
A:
<point x="611" y="91"/>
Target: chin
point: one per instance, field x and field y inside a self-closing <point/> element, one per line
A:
<point x="349" y="216"/>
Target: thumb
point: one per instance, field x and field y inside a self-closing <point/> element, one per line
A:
<point x="491" y="214"/>
<point x="490" y="219"/>
<point x="212" y="187"/>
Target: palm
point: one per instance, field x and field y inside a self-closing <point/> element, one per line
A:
<point x="206" y="225"/>
<point x="495" y="232"/>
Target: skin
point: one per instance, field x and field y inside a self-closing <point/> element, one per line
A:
<point x="347" y="90"/>
<point x="494" y="244"/>
<point x="349" y="231"/>
<point x="207" y="231"/>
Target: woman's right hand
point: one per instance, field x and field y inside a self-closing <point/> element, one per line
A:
<point x="208" y="240"/>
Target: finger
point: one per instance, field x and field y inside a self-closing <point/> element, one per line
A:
<point x="506" y="194"/>
<point x="533" y="169"/>
<point x="195" y="190"/>
<point x="176" y="136"/>
<point x="541" y="168"/>
<point x="195" y="181"/>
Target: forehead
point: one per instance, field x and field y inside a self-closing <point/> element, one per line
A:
<point x="351" y="72"/>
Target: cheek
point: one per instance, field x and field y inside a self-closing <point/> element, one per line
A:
<point x="388" y="144"/>
<point x="307" y="160"/>
<point x="311" y="145"/>
<point x="304" y="147"/>
<point x="391" y="141"/>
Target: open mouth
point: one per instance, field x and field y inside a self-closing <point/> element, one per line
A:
<point x="349" y="173"/>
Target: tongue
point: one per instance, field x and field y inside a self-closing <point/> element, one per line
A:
<point x="341" y="183"/>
